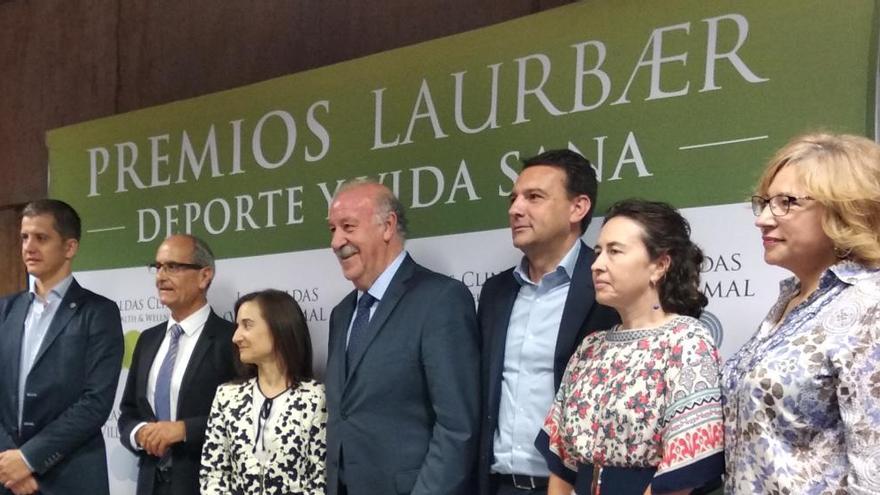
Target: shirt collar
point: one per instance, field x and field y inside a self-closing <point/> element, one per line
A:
<point x="57" y="293"/>
<point x="845" y="271"/>
<point x="381" y="284"/>
<point x="851" y="272"/>
<point x="565" y="267"/>
<point x="192" y="323"/>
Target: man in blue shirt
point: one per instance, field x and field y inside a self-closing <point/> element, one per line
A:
<point x="60" y="355"/>
<point x="533" y="316"/>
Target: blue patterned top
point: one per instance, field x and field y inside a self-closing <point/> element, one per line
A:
<point x="802" y="398"/>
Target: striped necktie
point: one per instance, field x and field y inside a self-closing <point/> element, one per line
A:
<point x="162" y="399"/>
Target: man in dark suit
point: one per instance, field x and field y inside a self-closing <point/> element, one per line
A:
<point x="176" y="368"/>
<point x="533" y="316"/>
<point x="61" y="351"/>
<point x="403" y="362"/>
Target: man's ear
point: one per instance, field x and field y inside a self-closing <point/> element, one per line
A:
<point x="71" y="246"/>
<point x="205" y="276"/>
<point x="580" y="207"/>
<point x="390" y="224"/>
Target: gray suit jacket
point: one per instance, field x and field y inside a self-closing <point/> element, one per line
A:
<point x="405" y="419"/>
<point x="69" y="391"/>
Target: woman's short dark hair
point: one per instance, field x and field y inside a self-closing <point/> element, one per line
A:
<point x="667" y="232"/>
<point x="290" y="334"/>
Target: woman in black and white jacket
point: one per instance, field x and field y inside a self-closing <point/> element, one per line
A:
<point x="266" y="433"/>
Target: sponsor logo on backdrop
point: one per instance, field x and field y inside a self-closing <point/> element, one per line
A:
<point x="474" y="280"/>
<point x="720" y="277"/>
<point x="306" y="297"/>
<point x="138" y="313"/>
<point x="714" y="325"/>
<point x="149" y="310"/>
<point x="110" y="429"/>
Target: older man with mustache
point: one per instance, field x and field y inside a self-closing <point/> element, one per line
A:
<point x="403" y="363"/>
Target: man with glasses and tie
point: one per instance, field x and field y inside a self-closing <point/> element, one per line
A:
<point x="403" y="363"/>
<point x="60" y="353"/>
<point x="175" y="370"/>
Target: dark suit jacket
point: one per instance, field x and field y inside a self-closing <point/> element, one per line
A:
<point x="69" y="392"/>
<point x="405" y="419"/>
<point x="210" y="365"/>
<point x="581" y="316"/>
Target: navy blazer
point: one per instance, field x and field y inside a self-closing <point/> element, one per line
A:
<point x="581" y="316"/>
<point x="69" y="391"/>
<point x="405" y="419"/>
<point x="210" y="365"/>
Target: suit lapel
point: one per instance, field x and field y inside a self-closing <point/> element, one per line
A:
<point x="69" y="306"/>
<point x="151" y="349"/>
<point x="386" y="306"/>
<point x="12" y="350"/>
<point x="339" y="328"/>
<point x="203" y="345"/>
<point x="503" y="308"/>
<point x="578" y="304"/>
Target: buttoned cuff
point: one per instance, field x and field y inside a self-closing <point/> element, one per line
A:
<point x="133" y="438"/>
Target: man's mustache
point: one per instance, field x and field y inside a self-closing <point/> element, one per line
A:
<point x="346" y="251"/>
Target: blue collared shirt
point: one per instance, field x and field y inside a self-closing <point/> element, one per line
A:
<point x="378" y="289"/>
<point x="36" y="324"/>
<point x="527" y="388"/>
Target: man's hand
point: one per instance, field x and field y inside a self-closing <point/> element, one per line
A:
<point x="26" y="486"/>
<point x="12" y="467"/>
<point x="156" y="438"/>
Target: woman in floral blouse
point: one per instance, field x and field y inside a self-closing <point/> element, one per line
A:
<point x="802" y="397"/>
<point x="639" y="407"/>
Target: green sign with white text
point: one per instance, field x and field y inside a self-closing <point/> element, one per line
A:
<point x="677" y="100"/>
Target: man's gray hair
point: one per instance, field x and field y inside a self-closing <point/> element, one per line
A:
<point x="386" y="202"/>
<point x="202" y="254"/>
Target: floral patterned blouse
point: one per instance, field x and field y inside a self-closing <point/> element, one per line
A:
<point x="802" y="398"/>
<point x="638" y="407"/>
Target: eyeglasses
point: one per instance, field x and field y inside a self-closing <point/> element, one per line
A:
<point x="172" y="267"/>
<point x="779" y="204"/>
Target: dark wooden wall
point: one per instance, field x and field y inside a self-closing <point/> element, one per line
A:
<point x="63" y="62"/>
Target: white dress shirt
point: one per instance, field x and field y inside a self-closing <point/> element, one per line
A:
<point x="192" y="327"/>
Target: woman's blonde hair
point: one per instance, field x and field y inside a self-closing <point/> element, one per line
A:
<point x="841" y="172"/>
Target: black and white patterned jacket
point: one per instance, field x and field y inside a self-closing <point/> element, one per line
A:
<point x="229" y="465"/>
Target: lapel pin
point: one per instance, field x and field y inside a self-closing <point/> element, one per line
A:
<point x="72" y="305"/>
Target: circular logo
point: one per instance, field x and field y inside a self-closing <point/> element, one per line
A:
<point x="714" y="325"/>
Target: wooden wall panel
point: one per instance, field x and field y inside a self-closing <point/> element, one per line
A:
<point x="57" y="67"/>
<point x="171" y="50"/>
<point x="12" y="273"/>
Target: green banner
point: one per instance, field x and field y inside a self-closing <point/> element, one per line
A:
<point x="677" y="100"/>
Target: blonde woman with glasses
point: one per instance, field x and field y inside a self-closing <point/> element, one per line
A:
<point x="802" y="397"/>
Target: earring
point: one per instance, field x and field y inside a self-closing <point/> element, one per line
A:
<point x="842" y="253"/>
<point x="655" y="307"/>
